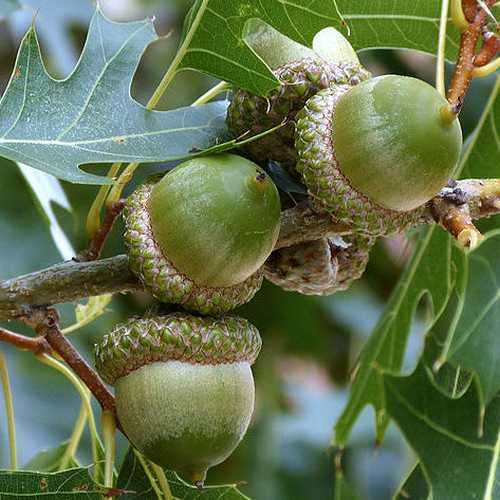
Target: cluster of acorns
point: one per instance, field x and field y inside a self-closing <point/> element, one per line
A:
<point x="370" y="151"/>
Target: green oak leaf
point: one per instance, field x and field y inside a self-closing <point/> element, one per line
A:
<point x="472" y="342"/>
<point x="428" y="274"/>
<point x="458" y="463"/>
<point x="214" y="42"/>
<point x="8" y="6"/>
<point x="69" y="484"/>
<point x="467" y="346"/>
<point x="90" y="117"/>
<point x="137" y="485"/>
<point x="437" y="269"/>
<point x="414" y="487"/>
<point x="343" y="491"/>
<point x="47" y="192"/>
<point x="49" y="460"/>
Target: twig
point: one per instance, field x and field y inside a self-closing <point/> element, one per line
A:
<point x="489" y="49"/>
<point x="97" y="241"/>
<point x="46" y="324"/>
<point x="71" y="281"/>
<point x="37" y="345"/>
<point x="65" y="282"/>
<point x="457" y="221"/>
<point x="464" y="69"/>
<point x="461" y="202"/>
<point x="302" y="223"/>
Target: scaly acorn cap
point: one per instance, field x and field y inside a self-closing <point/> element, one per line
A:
<point x="328" y="187"/>
<point x="175" y="337"/>
<point x="160" y="276"/>
<point x="320" y="267"/>
<point x="250" y="114"/>
<point x="309" y="268"/>
<point x="184" y="387"/>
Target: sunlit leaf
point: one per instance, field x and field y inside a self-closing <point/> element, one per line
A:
<point x="49" y="460"/>
<point x="47" y="190"/>
<point x="214" y="31"/>
<point x="88" y="312"/>
<point x="90" y="117"/>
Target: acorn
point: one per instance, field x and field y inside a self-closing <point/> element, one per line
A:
<point x="200" y="236"/>
<point x="302" y="72"/>
<point x="184" y="388"/>
<point x="320" y="267"/>
<point x="374" y="154"/>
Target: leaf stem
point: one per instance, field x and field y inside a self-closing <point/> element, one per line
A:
<point x="162" y="479"/>
<point x="458" y="16"/>
<point x="211" y="93"/>
<point x="9" y="411"/>
<point x="76" y="436"/>
<point x="174" y="65"/>
<point x="93" y="251"/>
<point x="82" y="391"/>
<point x="125" y="177"/>
<point x="440" y="63"/>
<point x="149" y="474"/>
<point x="94" y="215"/>
<point x="108" y="424"/>
<point x="127" y="174"/>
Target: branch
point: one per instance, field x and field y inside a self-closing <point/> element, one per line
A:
<point x="476" y="17"/>
<point x="70" y="281"/>
<point x="36" y="345"/>
<point x="46" y="324"/>
<point x="301" y="223"/>
<point x="97" y="241"/>
<point x="65" y="282"/>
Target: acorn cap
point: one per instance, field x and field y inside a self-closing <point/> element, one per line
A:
<point x="160" y="276"/>
<point x="179" y="337"/>
<point x="320" y="267"/>
<point x="250" y="114"/>
<point x="392" y="142"/>
<point x="309" y="268"/>
<point x="329" y="188"/>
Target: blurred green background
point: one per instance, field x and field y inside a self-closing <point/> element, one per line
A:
<point x="310" y="344"/>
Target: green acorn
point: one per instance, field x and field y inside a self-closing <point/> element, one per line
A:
<point x="374" y="154"/>
<point x="302" y="73"/>
<point x="320" y="267"/>
<point x="183" y="386"/>
<point x="200" y="236"/>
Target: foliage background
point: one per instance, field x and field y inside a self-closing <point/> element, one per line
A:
<point x="310" y="343"/>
